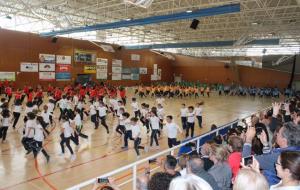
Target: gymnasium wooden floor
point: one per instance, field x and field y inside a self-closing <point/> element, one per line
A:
<point x="102" y="152"/>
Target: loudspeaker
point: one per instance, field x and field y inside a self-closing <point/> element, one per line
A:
<point x="119" y="48"/>
<point x="194" y="24"/>
<point x="54" y="39"/>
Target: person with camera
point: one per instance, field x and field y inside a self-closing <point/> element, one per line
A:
<point x="288" y="139"/>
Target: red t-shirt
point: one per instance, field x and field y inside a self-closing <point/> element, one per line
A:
<point x="18" y="95"/>
<point x="122" y="93"/>
<point x="30" y="97"/>
<point x="8" y="91"/>
<point x="234" y="161"/>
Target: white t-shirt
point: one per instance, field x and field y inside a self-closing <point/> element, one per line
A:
<point x="28" y="109"/>
<point x="76" y="99"/>
<point x="17" y="109"/>
<point x="102" y="111"/>
<point x="96" y="104"/>
<point x="128" y="125"/>
<point x="183" y="112"/>
<point x="114" y="103"/>
<point x="118" y="111"/>
<point x="5" y="122"/>
<point x="92" y="110"/>
<point x="68" y="130"/>
<point x="154" y="121"/>
<point x="30" y="124"/>
<point x="46" y="116"/>
<point x="136" y="131"/>
<point x="50" y="107"/>
<point x="62" y="103"/>
<point x="144" y="112"/>
<point x="171" y="129"/>
<point x="38" y="133"/>
<point x="135" y="106"/>
<point x="160" y="113"/>
<point x="198" y="111"/>
<point x="191" y="117"/>
<point x="79" y="106"/>
<point x="121" y="120"/>
<point x="77" y="120"/>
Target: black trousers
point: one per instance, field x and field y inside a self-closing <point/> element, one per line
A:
<point x="103" y="122"/>
<point x="95" y="121"/>
<point x="137" y="146"/>
<point x="80" y="134"/>
<point x="173" y="142"/>
<point x="120" y="129"/>
<point x="39" y="146"/>
<point x="65" y="140"/>
<point x="154" y="134"/>
<point x="26" y="143"/>
<point x="190" y="126"/>
<point x="128" y="135"/>
<point x="199" y="118"/>
<point x="137" y="114"/>
<point x="184" y="122"/>
<point x="16" y="118"/>
<point x="3" y="132"/>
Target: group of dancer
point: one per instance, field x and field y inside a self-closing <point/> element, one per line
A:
<point x="75" y="103"/>
<point x="184" y="89"/>
<point x="95" y="103"/>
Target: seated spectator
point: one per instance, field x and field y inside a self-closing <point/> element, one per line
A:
<point x="221" y="170"/>
<point x="287" y="139"/>
<point x="170" y="166"/>
<point x="160" y="181"/>
<point x="288" y="169"/>
<point x="142" y="182"/>
<point x="182" y="163"/>
<point x="249" y="179"/>
<point x="205" y="150"/>
<point x="195" y="166"/>
<point x="235" y="146"/>
<point x="111" y="185"/>
<point x="189" y="182"/>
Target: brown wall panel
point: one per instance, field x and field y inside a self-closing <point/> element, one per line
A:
<point x="212" y="71"/>
<point x="17" y="47"/>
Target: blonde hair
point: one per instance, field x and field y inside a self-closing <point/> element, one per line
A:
<point x="189" y="182"/>
<point x="248" y="179"/>
<point x="220" y="152"/>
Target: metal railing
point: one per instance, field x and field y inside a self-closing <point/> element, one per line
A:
<point x="200" y="140"/>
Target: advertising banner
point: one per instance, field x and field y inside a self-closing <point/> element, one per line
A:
<point x="46" y="58"/>
<point x="63" y="59"/>
<point x="47" y="76"/>
<point x="63" y="68"/>
<point x="29" y="67"/>
<point x="63" y="76"/>
<point x="135" y="76"/>
<point x="9" y="76"/>
<point x="101" y="61"/>
<point x="116" y="76"/>
<point x="89" y="69"/>
<point x="46" y="67"/>
<point x="116" y="63"/>
<point x="135" y="57"/>
<point x="143" y="70"/>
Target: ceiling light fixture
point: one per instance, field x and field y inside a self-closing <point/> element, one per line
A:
<point x="128" y="19"/>
<point x="189" y="11"/>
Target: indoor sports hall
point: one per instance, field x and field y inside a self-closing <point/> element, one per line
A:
<point x="149" y="95"/>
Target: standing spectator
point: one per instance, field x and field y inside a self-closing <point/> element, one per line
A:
<point x="221" y="170"/>
<point x="195" y="166"/>
<point x="160" y="181"/>
<point x="287" y="139"/>
<point x="236" y="146"/>
<point x="189" y="182"/>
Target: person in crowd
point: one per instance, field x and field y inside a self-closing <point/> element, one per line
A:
<point x="190" y="122"/>
<point x="288" y="170"/>
<point x="195" y="165"/>
<point x="287" y="139"/>
<point x="169" y="166"/>
<point x="249" y="179"/>
<point x="221" y="170"/>
<point x="17" y="108"/>
<point x="189" y="182"/>
<point x="183" y="116"/>
<point x="205" y="151"/>
<point x="66" y="134"/>
<point x="235" y="146"/>
<point x="160" y="181"/>
<point x="136" y="135"/>
<point x="182" y="162"/>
